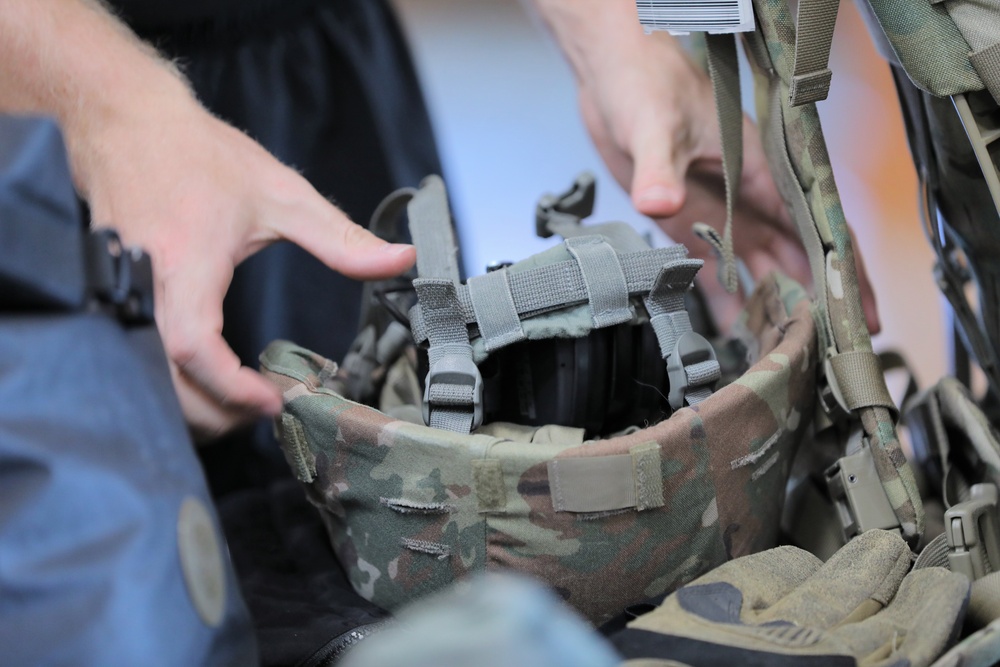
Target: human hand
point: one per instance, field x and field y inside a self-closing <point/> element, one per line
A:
<point x="654" y="123"/>
<point x="200" y="197"/>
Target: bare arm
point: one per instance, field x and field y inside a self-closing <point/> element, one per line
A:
<point x="199" y="195"/>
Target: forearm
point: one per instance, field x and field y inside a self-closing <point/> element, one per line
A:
<point x="73" y="60"/>
<point x="599" y="36"/>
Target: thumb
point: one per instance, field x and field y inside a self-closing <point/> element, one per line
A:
<point x="346" y="247"/>
<point x="658" y="176"/>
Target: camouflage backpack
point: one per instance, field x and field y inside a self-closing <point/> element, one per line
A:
<point x="945" y="57"/>
<point x="608" y="520"/>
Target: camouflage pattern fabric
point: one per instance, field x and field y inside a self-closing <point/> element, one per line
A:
<point x="799" y="160"/>
<point x="410" y="509"/>
<point x="928" y="44"/>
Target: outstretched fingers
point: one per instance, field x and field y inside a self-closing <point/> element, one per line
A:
<point x="327" y="233"/>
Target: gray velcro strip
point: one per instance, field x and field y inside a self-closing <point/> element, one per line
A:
<point x="443" y="316"/>
<point x="603" y="279"/>
<point x="448" y="336"/>
<point x="496" y="314"/>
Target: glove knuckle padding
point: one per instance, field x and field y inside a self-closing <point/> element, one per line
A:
<point x="861" y="604"/>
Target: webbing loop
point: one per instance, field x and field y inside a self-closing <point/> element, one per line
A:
<point x="857" y="380"/>
<point x="814" y="36"/>
<point x="603" y="280"/>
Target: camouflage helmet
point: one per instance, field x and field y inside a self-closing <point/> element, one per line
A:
<point x="606" y="519"/>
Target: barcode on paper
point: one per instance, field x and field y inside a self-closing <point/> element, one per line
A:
<point x="684" y="16"/>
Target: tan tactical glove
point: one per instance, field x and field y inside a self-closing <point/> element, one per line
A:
<point x="784" y="607"/>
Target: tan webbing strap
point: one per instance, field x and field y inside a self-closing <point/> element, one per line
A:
<point x="987" y="64"/>
<point x="724" y="69"/>
<point x="607" y="483"/>
<point x="841" y="313"/>
<point x="810" y="73"/>
<point x="773" y="134"/>
<point x="860" y="380"/>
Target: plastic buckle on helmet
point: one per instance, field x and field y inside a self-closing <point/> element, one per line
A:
<point x="690" y="349"/>
<point x="456" y="372"/>
<point x="574" y="204"/>
<point x="972" y="533"/>
<point x="857" y="492"/>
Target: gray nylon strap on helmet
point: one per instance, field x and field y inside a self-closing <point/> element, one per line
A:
<point x="453" y="391"/>
<point x="496" y="313"/>
<point x="554" y="286"/>
<point x="691" y="367"/>
<point x="454" y="388"/>
<point x="603" y="280"/>
<point x="810" y="73"/>
<point x="605" y="271"/>
<point x="430" y="227"/>
<point x="622" y="236"/>
<point x="665" y="305"/>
